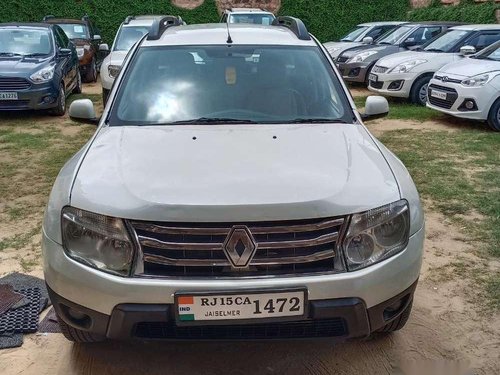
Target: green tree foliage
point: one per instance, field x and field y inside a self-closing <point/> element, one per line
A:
<point x="106" y="14"/>
<point x="467" y="11"/>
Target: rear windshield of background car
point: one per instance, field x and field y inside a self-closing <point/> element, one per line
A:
<point x="354" y="34"/>
<point x="128" y="36"/>
<point x="75" y="31"/>
<point x="25" y="41"/>
<point x="249" y="84"/>
<point x="258" y="19"/>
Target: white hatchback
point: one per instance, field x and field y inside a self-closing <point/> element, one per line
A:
<point x="407" y="74"/>
<point x="469" y="88"/>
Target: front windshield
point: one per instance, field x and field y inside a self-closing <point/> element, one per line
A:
<point x="258" y="19"/>
<point x="354" y="34"/>
<point x="395" y="35"/>
<point x="25" y="41"/>
<point x="446" y="42"/>
<point x="75" y="31"/>
<point x="128" y="36"/>
<point x="229" y="84"/>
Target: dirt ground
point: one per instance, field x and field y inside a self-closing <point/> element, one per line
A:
<point x="444" y="327"/>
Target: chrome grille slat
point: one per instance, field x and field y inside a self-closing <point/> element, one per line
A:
<point x="187" y="249"/>
<point x="13" y="84"/>
<point x="151" y="242"/>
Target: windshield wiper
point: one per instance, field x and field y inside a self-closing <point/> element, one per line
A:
<point x="433" y="50"/>
<point x="9" y="54"/>
<point x="385" y="43"/>
<point x="313" y="121"/>
<point x="37" y="54"/>
<point x="483" y="58"/>
<point x="212" y="120"/>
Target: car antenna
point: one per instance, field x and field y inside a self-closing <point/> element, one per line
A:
<point x="229" y="40"/>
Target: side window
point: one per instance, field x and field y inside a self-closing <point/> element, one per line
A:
<point x="483" y="40"/>
<point x="61" y="38"/>
<point x="57" y="37"/>
<point x="376" y="32"/>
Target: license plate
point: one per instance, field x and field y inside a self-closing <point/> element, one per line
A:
<point x="373" y="77"/>
<point x="438" y="94"/>
<point x="8" y="95"/>
<point x="242" y="307"/>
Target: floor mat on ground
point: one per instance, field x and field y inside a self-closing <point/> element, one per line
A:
<point x="23" y="319"/>
<point x="21" y="281"/>
<point x="12" y="340"/>
<point x="8" y="297"/>
<point x="49" y="324"/>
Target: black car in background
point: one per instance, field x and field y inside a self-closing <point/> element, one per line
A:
<point x="38" y="67"/>
<point x="87" y="40"/>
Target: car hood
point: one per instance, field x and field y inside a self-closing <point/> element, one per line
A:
<point x="16" y="66"/>
<point x="340" y="47"/>
<point x="470" y="67"/>
<point x="233" y="173"/>
<point x="382" y="50"/>
<point x="117" y="57"/>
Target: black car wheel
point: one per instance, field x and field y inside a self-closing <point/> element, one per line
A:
<point x="60" y="109"/>
<point x="91" y="75"/>
<point x="78" y="87"/>
<point x="418" y="93"/>
<point x="494" y="116"/>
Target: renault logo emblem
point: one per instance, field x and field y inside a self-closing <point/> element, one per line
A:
<point x="444" y="79"/>
<point x="240" y="246"/>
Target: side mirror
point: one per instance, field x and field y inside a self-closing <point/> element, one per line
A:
<point x="97" y="37"/>
<point x="467" y="50"/>
<point x="104" y="47"/>
<point x="375" y="107"/>
<point x="64" y="52"/>
<point x="410" y="42"/>
<point x="367" y="40"/>
<point x="82" y="110"/>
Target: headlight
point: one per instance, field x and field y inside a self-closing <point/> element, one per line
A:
<point x="114" y="70"/>
<point x="476" y="81"/>
<point x="407" y="66"/>
<point x="80" y="51"/>
<point x="98" y="241"/>
<point x="377" y="234"/>
<point x="43" y="75"/>
<point x="361" y="56"/>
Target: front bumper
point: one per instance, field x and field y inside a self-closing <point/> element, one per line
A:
<point x="483" y="97"/>
<point x="341" y="319"/>
<point x="354" y="72"/>
<point x="38" y="96"/>
<point x="396" y="85"/>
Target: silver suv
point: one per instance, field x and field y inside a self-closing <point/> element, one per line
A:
<point x="231" y="191"/>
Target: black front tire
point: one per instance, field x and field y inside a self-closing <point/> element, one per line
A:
<point x="78" y="335"/>
<point x="105" y="96"/>
<point x="418" y="93"/>
<point x="60" y="109"/>
<point x="494" y="116"/>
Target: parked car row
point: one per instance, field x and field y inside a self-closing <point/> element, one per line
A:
<point x="402" y="62"/>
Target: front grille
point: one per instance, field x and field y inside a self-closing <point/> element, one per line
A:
<point x="376" y="85"/>
<point x="14" y="84"/>
<point x="197" y="250"/>
<point x="451" y="96"/>
<point x="342" y="59"/>
<point x="335" y="327"/>
<point x="14" y="104"/>
<point x="379" y="69"/>
<point x="447" y="79"/>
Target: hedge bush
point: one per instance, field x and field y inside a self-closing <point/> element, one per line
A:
<point x="106" y="14"/>
<point x="467" y="11"/>
<point x="330" y="20"/>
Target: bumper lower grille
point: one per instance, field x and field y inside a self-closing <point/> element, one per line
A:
<point x="451" y="96"/>
<point x="198" y="250"/>
<point x="14" y="84"/>
<point x="336" y="327"/>
<point x="14" y="104"/>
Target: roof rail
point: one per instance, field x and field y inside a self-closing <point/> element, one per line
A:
<point x="48" y="17"/>
<point x="128" y="19"/>
<point x="294" y="24"/>
<point x="161" y="24"/>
